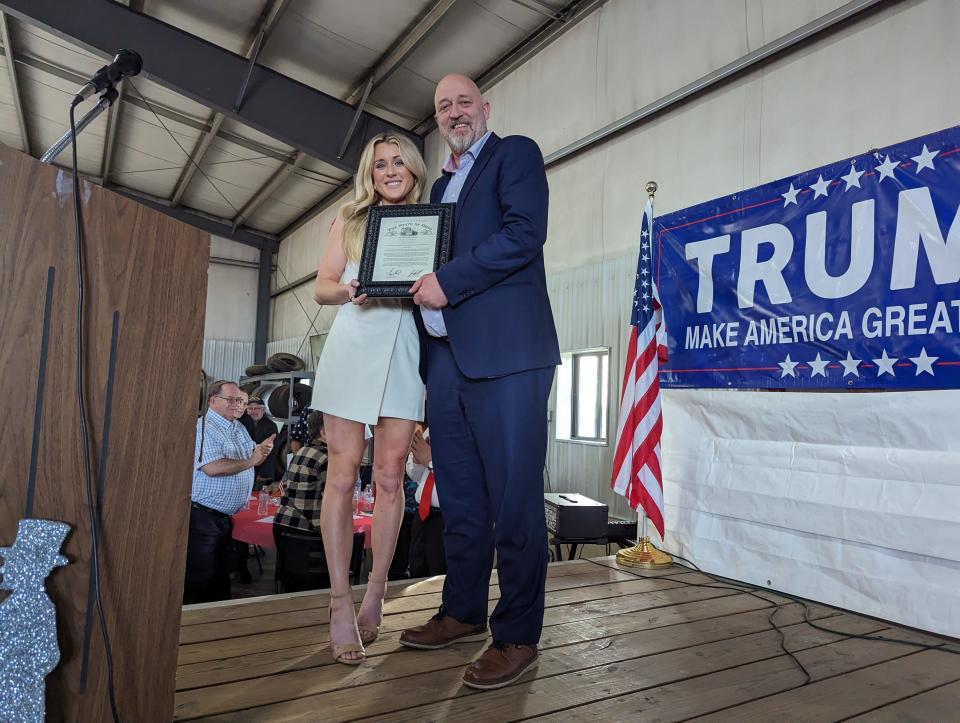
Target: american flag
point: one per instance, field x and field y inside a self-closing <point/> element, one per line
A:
<point x="636" y="461"/>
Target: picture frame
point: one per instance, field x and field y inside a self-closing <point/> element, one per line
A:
<point x="402" y="243"/>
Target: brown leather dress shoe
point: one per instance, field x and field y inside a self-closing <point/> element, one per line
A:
<point x="500" y="665"/>
<point x="439" y="632"/>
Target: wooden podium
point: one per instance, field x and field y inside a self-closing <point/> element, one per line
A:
<point x="149" y="272"/>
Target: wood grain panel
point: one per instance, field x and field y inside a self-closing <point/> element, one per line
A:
<point x="152" y="270"/>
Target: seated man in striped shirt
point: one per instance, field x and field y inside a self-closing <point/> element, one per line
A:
<point x="222" y="482"/>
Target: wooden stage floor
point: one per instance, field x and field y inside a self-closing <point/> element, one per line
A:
<point x="618" y="645"/>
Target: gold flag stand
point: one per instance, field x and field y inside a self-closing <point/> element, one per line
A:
<point x="644" y="555"/>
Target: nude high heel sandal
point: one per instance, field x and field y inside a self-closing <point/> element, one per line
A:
<point x="338" y="651"/>
<point x="370" y="634"/>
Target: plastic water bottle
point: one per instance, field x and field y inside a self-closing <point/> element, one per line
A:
<point x="366" y="501"/>
<point x="356" y="497"/>
<point x="262" y="501"/>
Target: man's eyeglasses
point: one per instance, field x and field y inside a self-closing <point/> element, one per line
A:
<point x="232" y="400"/>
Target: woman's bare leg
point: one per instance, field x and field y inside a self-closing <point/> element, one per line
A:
<point x="345" y="445"/>
<point x="390" y="448"/>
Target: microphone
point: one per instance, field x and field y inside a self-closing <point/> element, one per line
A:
<point x="125" y="64"/>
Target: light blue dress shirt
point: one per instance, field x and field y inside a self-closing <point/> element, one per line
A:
<point x="433" y="318"/>
<point x="221" y="438"/>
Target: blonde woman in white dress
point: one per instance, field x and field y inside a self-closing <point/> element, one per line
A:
<point x="368" y="373"/>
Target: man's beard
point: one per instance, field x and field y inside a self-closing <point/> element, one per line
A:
<point x="461" y="144"/>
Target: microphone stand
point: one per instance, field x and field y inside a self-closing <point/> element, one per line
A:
<point x="106" y="100"/>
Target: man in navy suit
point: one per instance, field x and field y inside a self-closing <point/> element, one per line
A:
<point x="488" y="355"/>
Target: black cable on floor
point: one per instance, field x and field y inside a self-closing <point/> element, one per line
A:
<point x="806" y="615"/>
<point x="753" y="592"/>
<point x="749" y="590"/>
<point x="729" y="584"/>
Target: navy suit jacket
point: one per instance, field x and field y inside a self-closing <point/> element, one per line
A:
<point x="499" y="319"/>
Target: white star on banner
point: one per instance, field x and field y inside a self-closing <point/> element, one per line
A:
<point x="924" y="363"/>
<point x="850" y="365"/>
<point x="818" y="366"/>
<point x="644" y="233"/>
<point x="853" y="178"/>
<point x="820" y="187"/>
<point x="885" y="364"/>
<point x="787" y="365"/>
<point x="646" y="308"/>
<point x="790" y="196"/>
<point x="886" y="168"/>
<point x="925" y="159"/>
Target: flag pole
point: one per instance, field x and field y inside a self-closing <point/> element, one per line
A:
<point x="644" y="555"/>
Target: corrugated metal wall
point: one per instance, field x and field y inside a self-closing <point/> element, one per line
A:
<point x="297" y="345"/>
<point x="591" y="305"/>
<point x="225" y="358"/>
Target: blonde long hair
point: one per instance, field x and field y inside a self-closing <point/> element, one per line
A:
<point x="365" y="195"/>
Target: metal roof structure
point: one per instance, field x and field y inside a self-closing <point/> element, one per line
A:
<point x="249" y="115"/>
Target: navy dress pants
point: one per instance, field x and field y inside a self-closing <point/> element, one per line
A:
<point x="489" y="439"/>
<point x="209" y="557"/>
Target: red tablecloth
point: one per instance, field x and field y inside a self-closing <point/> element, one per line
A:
<point x="247" y="525"/>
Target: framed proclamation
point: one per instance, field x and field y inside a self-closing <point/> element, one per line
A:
<point x="402" y="244"/>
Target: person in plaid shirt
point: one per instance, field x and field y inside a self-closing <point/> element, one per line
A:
<point x="304" y="481"/>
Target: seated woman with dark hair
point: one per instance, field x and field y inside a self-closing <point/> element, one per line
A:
<point x="305" y="478"/>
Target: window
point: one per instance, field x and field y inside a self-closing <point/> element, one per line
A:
<point x="582" y="396"/>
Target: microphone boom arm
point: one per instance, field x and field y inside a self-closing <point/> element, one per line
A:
<point x="106" y="100"/>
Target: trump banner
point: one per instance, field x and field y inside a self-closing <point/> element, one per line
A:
<point x="845" y="276"/>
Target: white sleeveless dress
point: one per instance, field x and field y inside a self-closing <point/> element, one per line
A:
<point x="369" y="366"/>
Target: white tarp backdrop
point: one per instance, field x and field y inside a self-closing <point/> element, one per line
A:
<point x="850" y="499"/>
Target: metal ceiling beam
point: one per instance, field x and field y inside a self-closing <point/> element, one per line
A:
<point x="395" y="56"/>
<point x="561" y="21"/>
<point x="113" y="119"/>
<point x="538" y="7"/>
<point x="403" y="47"/>
<point x="262" y="324"/>
<point x="264" y="28"/>
<point x="281" y="175"/>
<point x="211" y="224"/>
<point x="158" y="108"/>
<point x="14" y="84"/>
<point x="196" y="158"/>
<point x="223" y="227"/>
<point x="276" y="105"/>
<point x="265" y="25"/>
<point x="316" y="208"/>
<point x="547" y="32"/>
<point x="294" y="284"/>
